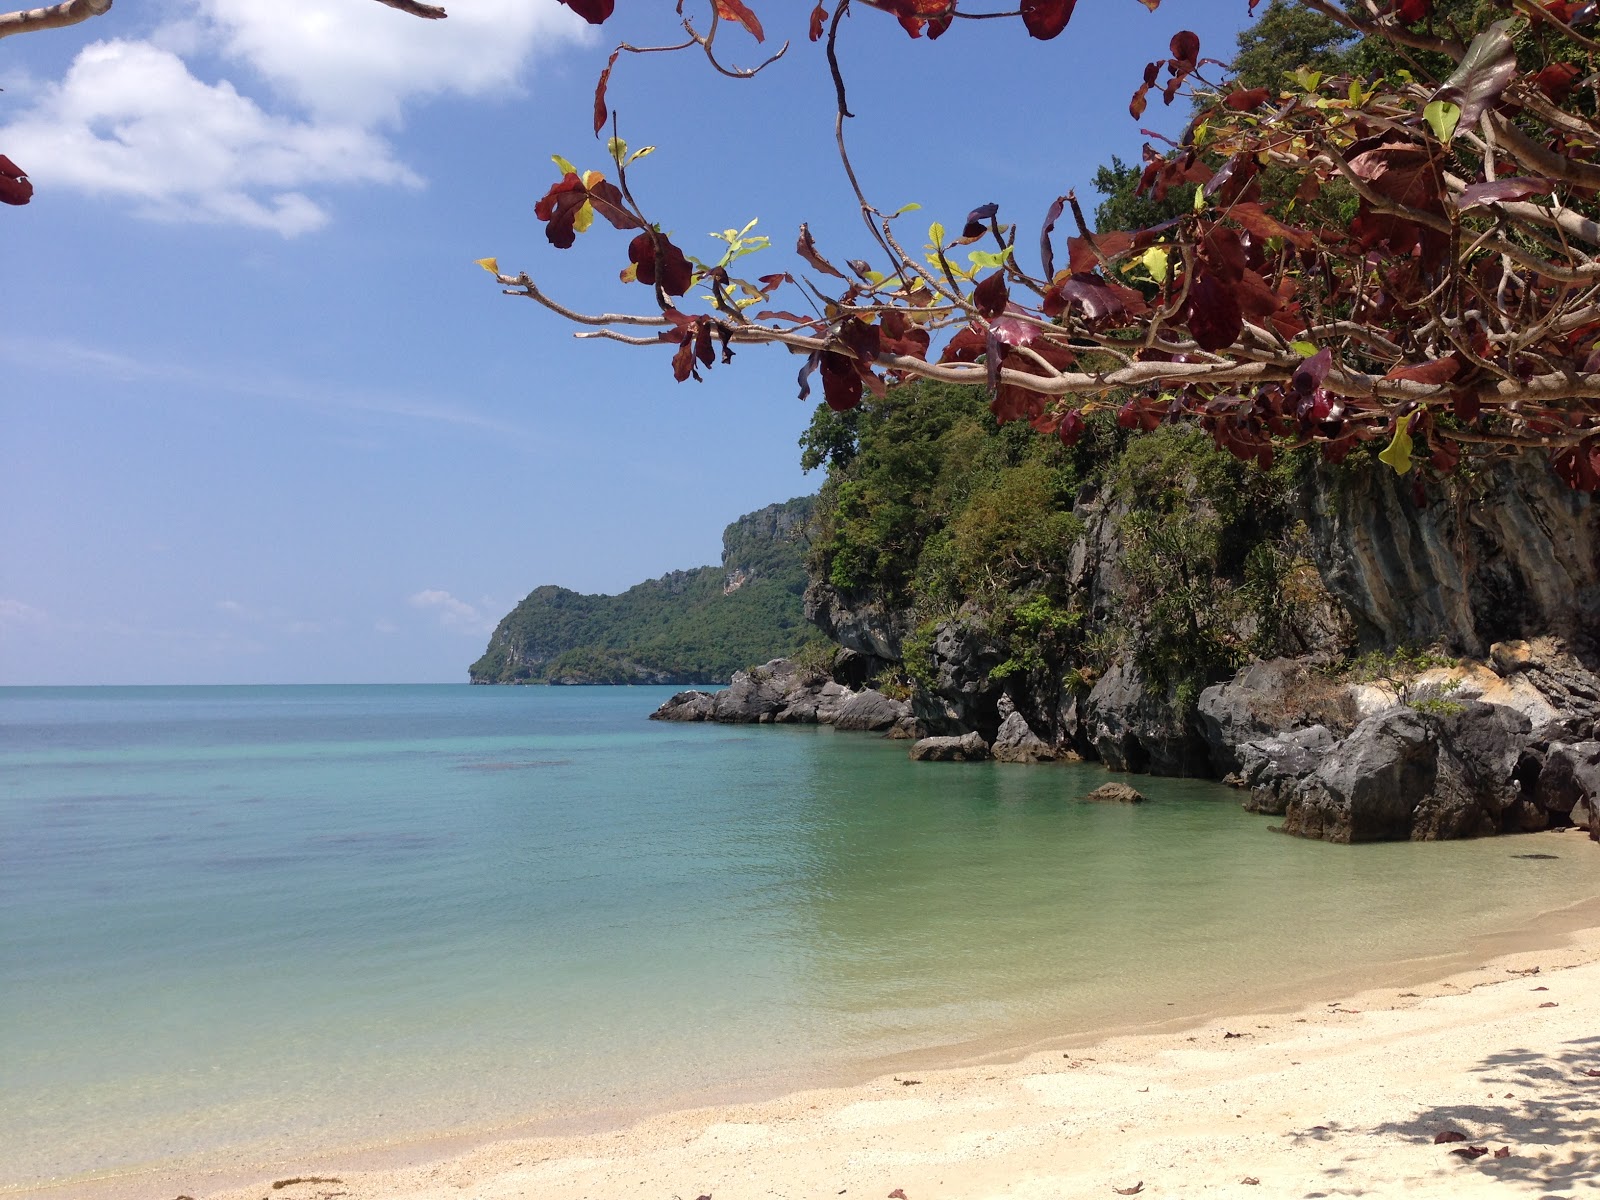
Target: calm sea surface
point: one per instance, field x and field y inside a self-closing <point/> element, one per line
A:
<point x="251" y="920"/>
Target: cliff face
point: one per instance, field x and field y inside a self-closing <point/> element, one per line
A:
<point x="694" y="626"/>
<point x="1510" y="552"/>
<point x="1125" y="629"/>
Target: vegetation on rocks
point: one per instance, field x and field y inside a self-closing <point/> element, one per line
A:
<point x="696" y="626"/>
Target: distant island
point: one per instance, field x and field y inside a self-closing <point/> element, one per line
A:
<point x="694" y="626"/>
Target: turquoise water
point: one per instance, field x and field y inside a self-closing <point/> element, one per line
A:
<point x="246" y="921"/>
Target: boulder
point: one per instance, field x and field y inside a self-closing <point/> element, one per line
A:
<point x="968" y="747"/>
<point x="1273" y="767"/>
<point x="687" y="706"/>
<point x="1134" y="729"/>
<point x="1366" y="789"/>
<point x="1261" y="701"/>
<point x="1115" y="793"/>
<point x="1570" y="777"/>
<point x="1476" y="788"/>
<point x="869" y="710"/>
<point x="1017" y="742"/>
<point x="759" y="694"/>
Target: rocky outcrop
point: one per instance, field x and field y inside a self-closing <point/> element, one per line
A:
<point x="779" y="693"/>
<point x="1420" y="775"/>
<point x="1115" y="793"/>
<point x="1366" y="789"/>
<point x="1017" y="742"/>
<point x="1130" y="728"/>
<point x="963" y="693"/>
<point x="968" y="747"/>
<point x="1272" y="768"/>
<point x="1514" y="553"/>
<point x="857" y="622"/>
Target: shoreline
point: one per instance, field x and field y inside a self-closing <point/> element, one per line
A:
<point x="980" y="1092"/>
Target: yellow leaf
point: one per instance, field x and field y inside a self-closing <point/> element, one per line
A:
<point x="563" y="165"/>
<point x="1155" y="261"/>
<point x="590" y="178"/>
<point x="618" y="148"/>
<point x="584" y="218"/>
<point x="630" y="273"/>
<point x="1398" y="454"/>
<point x="491" y="265"/>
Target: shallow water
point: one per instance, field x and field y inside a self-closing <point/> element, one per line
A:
<point x="250" y="920"/>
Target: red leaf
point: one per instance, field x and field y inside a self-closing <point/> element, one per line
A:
<point x="1448" y="1135"/>
<point x="1264" y="225"/>
<point x="1070" y="430"/>
<point x="14" y="185"/>
<point x="1214" y="318"/>
<point x="1186" y="47"/>
<point x="1503" y="1152"/>
<point x="991" y="296"/>
<point x="660" y="262"/>
<point x="1412" y="11"/>
<point x="600" y="111"/>
<point x="1500" y="191"/>
<point x="806" y="248"/>
<point x="596" y="12"/>
<point x="1437" y="371"/>
<point x="897" y="1194"/>
<point x="1470" y="1152"/>
<point x="1245" y="99"/>
<point x="819" y="17"/>
<point x="1046" y="18"/>
<point x="841" y="381"/>
<point x="735" y="10"/>
<point x="1556" y="80"/>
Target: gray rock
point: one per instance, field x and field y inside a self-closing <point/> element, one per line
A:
<point x="969" y="747"/>
<point x="869" y="710"/>
<point x="1570" y="777"/>
<point x="964" y="694"/>
<point x="1115" y="793"/>
<point x="1465" y="574"/>
<point x="1273" y="767"/>
<point x="1132" y="729"/>
<point x="1476" y="788"/>
<point x="687" y="706"/>
<point x="1017" y="742"/>
<point x="1368" y="787"/>
<point x="1255" y="703"/>
<point x="759" y="694"/>
<point x="857" y="622"/>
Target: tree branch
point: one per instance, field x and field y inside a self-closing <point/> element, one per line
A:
<point x="430" y="12"/>
<point x="57" y="16"/>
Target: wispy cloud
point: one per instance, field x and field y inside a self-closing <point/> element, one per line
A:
<point x="58" y="354"/>
<point x="456" y="615"/>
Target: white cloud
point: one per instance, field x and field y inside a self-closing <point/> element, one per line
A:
<point x="130" y="119"/>
<point x="455" y="615"/>
<point x="356" y="60"/>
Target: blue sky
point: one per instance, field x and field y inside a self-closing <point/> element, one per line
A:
<point x="263" y="420"/>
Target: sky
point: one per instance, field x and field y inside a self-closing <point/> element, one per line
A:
<point x="262" y="419"/>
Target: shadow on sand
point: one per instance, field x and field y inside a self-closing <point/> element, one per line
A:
<point x="1545" y="1109"/>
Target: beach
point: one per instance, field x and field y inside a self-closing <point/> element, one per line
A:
<point x="1345" y="1095"/>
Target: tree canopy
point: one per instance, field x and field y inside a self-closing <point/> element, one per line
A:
<point x="1387" y="235"/>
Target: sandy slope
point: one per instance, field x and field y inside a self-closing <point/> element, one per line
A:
<point x="1341" y="1099"/>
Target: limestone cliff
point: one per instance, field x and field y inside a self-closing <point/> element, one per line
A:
<point x="694" y="626"/>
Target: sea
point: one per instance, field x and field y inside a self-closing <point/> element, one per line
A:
<point x="244" y="924"/>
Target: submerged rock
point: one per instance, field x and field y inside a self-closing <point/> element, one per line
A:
<point x="1115" y="793"/>
<point x="968" y="747"/>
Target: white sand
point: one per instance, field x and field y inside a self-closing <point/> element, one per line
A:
<point x="1338" y="1100"/>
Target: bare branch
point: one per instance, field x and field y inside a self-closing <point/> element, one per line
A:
<point x="56" y="16"/>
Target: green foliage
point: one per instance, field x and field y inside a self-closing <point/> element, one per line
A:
<point x="917" y="653"/>
<point x="1123" y="209"/>
<point x="686" y="627"/>
<point x="814" y="659"/>
<point x="1285" y="37"/>
<point x="1398" y="669"/>
<point x="1040" y="632"/>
